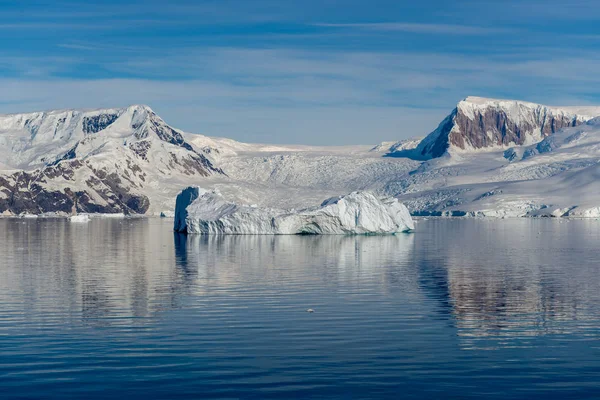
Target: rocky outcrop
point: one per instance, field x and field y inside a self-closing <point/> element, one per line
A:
<point x="37" y="192"/>
<point x="480" y="124"/>
<point x="206" y="212"/>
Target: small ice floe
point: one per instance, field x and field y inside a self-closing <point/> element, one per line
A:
<point x="28" y="216"/>
<point x="310" y="310"/>
<point x="79" y="218"/>
<point x="109" y="215"/>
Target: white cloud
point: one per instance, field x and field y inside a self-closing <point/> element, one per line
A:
<point x="434" y="29"/>
<point x="224" y="110"/>
<point x="301" y="96"/>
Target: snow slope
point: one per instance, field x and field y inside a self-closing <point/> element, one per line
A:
<point x="556" y="177"/>
<point x="206" y="212"/>
<point x="295" y="176"/>
<point x="109" y="160"/>
<point x="129" y="160"/>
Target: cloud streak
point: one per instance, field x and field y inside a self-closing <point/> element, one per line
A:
<point x="431" y="29"/>
<point x="317" y="97"/>
<point x="311" y="71"/>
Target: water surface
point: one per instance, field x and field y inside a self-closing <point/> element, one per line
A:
<point x="459" y="309"/>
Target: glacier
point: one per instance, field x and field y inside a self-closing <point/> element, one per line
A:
<point x="556" y="177"/>
<point x="207" y="212"/>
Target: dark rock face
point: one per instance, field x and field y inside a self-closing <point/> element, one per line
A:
<point x="26" y="192"/>
<point x="166" y="133"/>
<point x="98" y="123"/>
<point x="69" y="155"/>
<point x="33" y="200"/>
<point x="195" y="163"/>
<point x="492" y="126"/>
<point x="141" y="148"/>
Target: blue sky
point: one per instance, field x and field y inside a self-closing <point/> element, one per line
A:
<point x="315" y="72"/>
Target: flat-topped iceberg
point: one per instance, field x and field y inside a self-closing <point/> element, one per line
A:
<point x="206" y="212"/>
<point x="79" y="218"/>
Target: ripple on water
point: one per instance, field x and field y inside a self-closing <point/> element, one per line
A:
<point x="459" y="309"/>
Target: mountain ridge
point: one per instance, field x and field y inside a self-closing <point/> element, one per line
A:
<point x="479" y="124"/>
<point x="102" y="160"/>
<point x="488" y="157"/>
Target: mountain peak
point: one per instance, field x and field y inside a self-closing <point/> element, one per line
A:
<point x="478" y="124"/>
<point x="476" y="100"/>
<point x="93" y="160"/>
<point x="482" y="100"/>
<point x="140" y="107"/>
<point x="99" y="110"/>
<point x="33" y="140"/>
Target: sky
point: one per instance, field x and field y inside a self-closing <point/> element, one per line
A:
<point x="324" y="72"/>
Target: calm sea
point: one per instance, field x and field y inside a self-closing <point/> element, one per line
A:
<point x="460" y="309"/>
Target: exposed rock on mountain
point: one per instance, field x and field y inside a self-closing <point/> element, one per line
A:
<point x="484" y="124"/>
<point x="109" y="161"/>
<point x="556" y="177"/>
<point x="500" y="158"/>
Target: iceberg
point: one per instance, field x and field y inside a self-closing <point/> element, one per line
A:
<point x="79" y="218"/>
<point x="207" y="212"/>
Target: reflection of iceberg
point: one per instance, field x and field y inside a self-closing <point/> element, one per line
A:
<point x="112" y="271"/>
<point x="199" y="211"/>
<point x="307" y="262"/>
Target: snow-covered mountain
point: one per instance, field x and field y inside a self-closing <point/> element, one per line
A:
<point x="399" y="146"/>
<point x="478" y="124"/>
<point x="558" y="176"/>
<point x="488" y="158"/>
<point x="128" y="160"/>
<point x="110" y="160"/>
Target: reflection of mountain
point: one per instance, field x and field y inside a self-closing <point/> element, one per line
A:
<point x="531" y="288"/>
<point x="501" y="280"/>
<point x="107" y="268"/>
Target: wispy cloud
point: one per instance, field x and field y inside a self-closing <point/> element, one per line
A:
<point x="222" y="109"/>
<point x="70" y="26"/>
<point x="420" y="28"/>
<point x="268" y="70"/>
<point x="523" y="12"/>
<point x="74" y="46"/>
<point x="322" y="97"/>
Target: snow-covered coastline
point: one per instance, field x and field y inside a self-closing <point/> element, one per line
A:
<point x="489" y="158"/>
